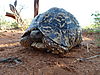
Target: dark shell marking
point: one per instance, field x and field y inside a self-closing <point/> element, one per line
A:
<point x="60" y="29"/>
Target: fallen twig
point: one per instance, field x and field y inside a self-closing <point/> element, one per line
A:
<point x="88" y="47"/>
<point x="11" y="60"/>
<point x="84" y="59"/>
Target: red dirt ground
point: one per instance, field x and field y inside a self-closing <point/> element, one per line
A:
<point x="35" y="62"/>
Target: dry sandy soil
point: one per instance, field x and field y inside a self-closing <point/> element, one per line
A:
<point x="38" y="62"/>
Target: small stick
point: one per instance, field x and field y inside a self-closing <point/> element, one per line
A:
<point x="84" y="59"/>
<point x="87" y="47"/>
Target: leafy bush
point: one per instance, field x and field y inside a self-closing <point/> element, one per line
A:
<point x="94" y="28"/>
<point x="14" y="25"/>
<point x="96" y="19"/>
<point x="97" y="40"/>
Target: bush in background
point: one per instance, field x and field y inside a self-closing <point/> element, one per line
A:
<point x="11" y="24"/>
<point x="95" y="28"/>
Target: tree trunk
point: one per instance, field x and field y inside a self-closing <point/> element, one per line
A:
<point x="36" y="7"/>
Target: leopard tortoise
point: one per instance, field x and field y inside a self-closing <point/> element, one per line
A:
<point x="55" y="30"/>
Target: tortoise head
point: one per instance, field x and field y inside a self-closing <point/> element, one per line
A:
<point x="33" y="38"/>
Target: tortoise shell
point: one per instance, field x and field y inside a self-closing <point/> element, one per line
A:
<point x="59" y="29"/>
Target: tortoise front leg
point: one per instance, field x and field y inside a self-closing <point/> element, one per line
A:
<point x="26" y="41"/>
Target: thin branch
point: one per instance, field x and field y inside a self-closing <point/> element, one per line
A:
<point x="87" y="47"/>
<point x="21" y="9"/>
<point x="10" y="15"/>
<point x="84" y="59"/>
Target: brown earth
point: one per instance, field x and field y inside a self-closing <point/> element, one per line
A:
<point x="35" y="62"/>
